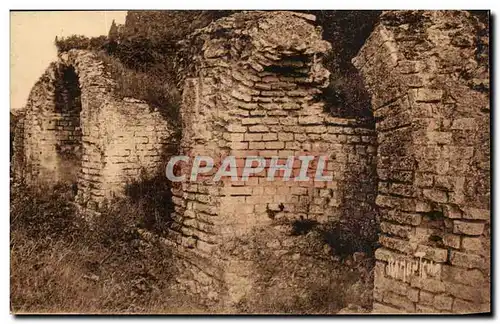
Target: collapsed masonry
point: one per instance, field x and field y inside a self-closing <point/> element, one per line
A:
<point x="252" y="86"/>
<point x="75" y="131"/>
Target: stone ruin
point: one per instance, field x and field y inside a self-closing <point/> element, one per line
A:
<point x="75" y="131"/>
<point x="257" y="97"/>
<point x="252" y="86"/>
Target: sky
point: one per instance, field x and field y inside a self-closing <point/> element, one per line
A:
<point x="32" y="46"/>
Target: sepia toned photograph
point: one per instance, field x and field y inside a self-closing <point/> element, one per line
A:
<point x="247" y="162"/>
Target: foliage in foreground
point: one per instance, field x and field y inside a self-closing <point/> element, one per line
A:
<point x="63" y="264"/>
<point x="60" y="264"/>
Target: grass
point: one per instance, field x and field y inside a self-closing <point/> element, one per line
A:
<point x="307" y="277"/>
<point x="60" y="264"/>
<point x="155" y="85"/>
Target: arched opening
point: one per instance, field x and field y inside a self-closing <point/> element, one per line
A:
<point x="68" y="132"/>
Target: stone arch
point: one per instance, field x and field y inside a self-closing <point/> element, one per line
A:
<point x="427" y="72"/>
<point x="68" y="129"/>
<point x="73" y="108"/>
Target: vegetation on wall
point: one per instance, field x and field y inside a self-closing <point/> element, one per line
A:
<point x="80" y="42"/>
<point x="346" y="30"/>
<point x="142" y="55"/>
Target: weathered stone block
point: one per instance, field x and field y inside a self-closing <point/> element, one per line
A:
<point x="467" y="260"/>
<point x="473" y="244"/>
<point x="399" y="301"/>
<point x="464" y="124"/>
<point x="451" y="241"/>
<point x="436" y="195"/>
<point x="429" y="284"/>
<point x="434" y="254"/>
<point x="258" y="129"/>
<point x="443" y="302"/>
<point x="426" y="298"/>
<point x="469" y="277"/>
<point x="468" y="228"/>
<point x="428" y="95"/>
<point x="398" y="230"/>
<point x="462" y="306"/>
<point x="476" y="213"/>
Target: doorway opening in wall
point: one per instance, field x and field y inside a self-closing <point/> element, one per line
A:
<point x="67" y="125"/>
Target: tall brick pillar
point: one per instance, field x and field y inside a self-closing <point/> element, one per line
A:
<point x="252" y="89"/>
<point x="427" y="72"/>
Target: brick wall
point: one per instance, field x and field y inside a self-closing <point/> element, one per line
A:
<point x="76" y="131"/>
<point x="252" y="86"/>
<point x="259" y="97"/>
<point x="54" y="156"/>
<point x="428" y="77"/>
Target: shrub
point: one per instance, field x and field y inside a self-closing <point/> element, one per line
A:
<point x="81" y="42"/>
<point x="140" y="67"/>
<point x="155" y="86"/>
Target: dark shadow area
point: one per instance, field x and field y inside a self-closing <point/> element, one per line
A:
<point x="153" y="198"/>
<point x="349" y="236"/>
<point x="67" y="91"/>
<point x="291" y="66"/>
<point x="357" y="228"/>
<point x="303" y="226"/>
<point x="347" y="31"/>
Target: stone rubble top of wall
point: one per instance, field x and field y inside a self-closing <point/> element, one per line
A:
<point x="91" y="75"/>
<point x="90" y="70"/>
<point x="464" y="31"/>
<point x="260" y="39"/>
<point x="453" y="43"/>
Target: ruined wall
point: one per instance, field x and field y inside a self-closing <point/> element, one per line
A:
<point x="251" y="91"/>
<point x="252" y="86"/>
<point x="52" y="157"/>
<point x="76" y="131"/>
<point x="17" y="144"/>
<point x="427" y="72"/>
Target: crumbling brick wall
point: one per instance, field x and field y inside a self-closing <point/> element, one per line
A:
<point x="54" y="156"/>
<point x="252" y="90"/>
<point x="427" y="72"/>
<point x="76" y="131"/>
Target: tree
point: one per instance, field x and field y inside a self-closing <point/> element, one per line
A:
<point x="113" y="32"/>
